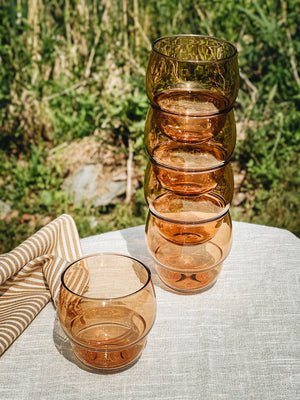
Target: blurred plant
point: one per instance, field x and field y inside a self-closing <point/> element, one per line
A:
<point x="75" y="68"/>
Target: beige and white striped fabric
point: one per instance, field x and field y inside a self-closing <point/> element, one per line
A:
<point x="30" y="275"/>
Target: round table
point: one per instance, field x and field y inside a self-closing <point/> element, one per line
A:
<point x="238" y="340"/>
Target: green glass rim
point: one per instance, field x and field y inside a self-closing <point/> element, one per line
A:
<point x="220" y="60"/>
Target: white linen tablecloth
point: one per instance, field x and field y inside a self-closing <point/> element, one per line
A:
<point x="238" y="340"/>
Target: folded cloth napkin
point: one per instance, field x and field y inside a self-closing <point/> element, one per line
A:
<point x="30" y="275"/>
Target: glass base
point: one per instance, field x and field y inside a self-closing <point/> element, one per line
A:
<point x="108" y="361"/>
<point x="106" y="371"/>
<point x="188" y="283"/>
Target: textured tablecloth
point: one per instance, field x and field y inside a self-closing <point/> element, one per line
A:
<point x="238" y="340"/>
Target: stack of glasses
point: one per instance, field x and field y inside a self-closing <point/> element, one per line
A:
<point x="190" y="135"/>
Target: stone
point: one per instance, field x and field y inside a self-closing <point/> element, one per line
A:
<point x="4" y="207"/>
<point x="83" y="184"/>
<point x="239" y="198"/>
<point x="90" y="183"/>
<point x="112" y="196"/>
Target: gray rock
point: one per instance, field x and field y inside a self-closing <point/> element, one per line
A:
<point x="84" y="183"/>
<point x="112" y="196"/>
<point x="239" y="198"/>
<point x="89" y="183"/>
<point x="4" y="207"/>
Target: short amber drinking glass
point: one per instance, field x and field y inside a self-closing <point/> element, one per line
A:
<point x="160" y="178"/>
<point x="188" y="220"/>
<point x="192" y="262"/>
<point x="217" y="148"/>
<point x="107" y="307"/>
<point x="192" y="75"/>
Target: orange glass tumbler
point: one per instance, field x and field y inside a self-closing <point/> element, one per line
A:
<point x="107" y="307"/>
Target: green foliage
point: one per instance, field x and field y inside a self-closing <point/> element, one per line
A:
<point x="74" y="69"/>
<point x="74" y="116"/>
<point x="31" y="184"/>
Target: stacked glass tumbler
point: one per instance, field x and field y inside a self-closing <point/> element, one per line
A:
<point x="190" y="135"/>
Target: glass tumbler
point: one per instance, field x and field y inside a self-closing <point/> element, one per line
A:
<point x="190" y="134"/>
<point x="160" y="179"/>
<point x="192" y="75"/>
<point x="107" y="307"/>
<point x="215" y="150"/>
<point x="193" y="261"/>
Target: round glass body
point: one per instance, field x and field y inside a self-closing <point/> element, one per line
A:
<point x="190" y="267"/>
<point x="192" y="74"/>
<point x="107" y="307"/>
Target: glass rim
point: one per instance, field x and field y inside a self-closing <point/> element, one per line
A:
<point x="158" y="164"/>
<point x="111" y="347"/>
<point x="196" y="116"/>
<point x="193" y="271"/>
<point x="106" y="298"/>
<point x="218" y="60"/>
<point x="204" y="221"/>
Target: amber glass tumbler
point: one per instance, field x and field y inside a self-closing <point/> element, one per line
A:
<point x="189" y="264"/>
<point x="192" y="75"/>
<point x="217" y="147"/>
<point x="160" y="179"/>
<point x="188" y="220"/>
<point x="107" y="307"/>
<point x="190" y="134"/>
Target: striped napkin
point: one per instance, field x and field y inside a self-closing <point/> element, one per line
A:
<point x="30" y="275"/>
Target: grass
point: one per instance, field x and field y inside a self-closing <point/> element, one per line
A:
<point x="63" y="81"/>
